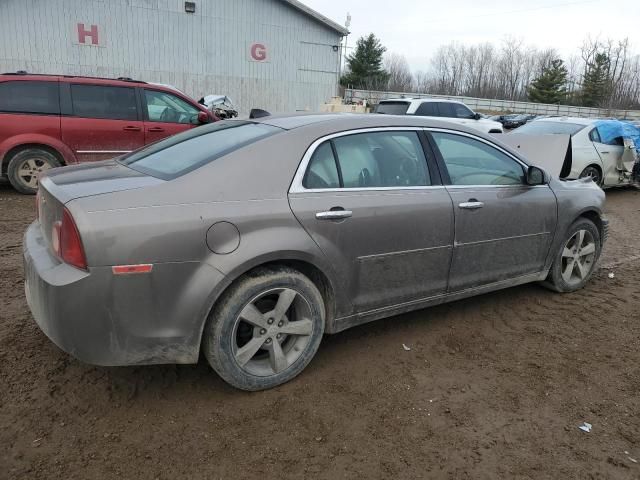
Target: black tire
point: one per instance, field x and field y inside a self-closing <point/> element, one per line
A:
<point x="559" y="283"/>
<point x="593" y="172"/>
<point x="33" y="160"/>
<point x="223" y="335"/>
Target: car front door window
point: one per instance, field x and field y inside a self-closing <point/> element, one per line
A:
<point x="473" y="162"/>
<point x="164" y="107"/>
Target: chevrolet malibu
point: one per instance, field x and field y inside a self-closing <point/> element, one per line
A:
<point x="250" y="240"/>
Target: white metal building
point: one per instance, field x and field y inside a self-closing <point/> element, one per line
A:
<point x="274" y="54"/>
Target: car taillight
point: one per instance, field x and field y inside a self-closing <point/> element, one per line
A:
<point x="66" y="242"/>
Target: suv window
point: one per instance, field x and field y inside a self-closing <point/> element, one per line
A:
<point x="370" y="160"/>
<point x="472" y="162"/>
<point x="177" y="155"/>
<point x="428" y="109"/>
<point x="29" y="97"/>
<point x="446" y="110"/>
<point x="165" y="107"/>
<point x="392" y="108"/>
<point x="98" y="101"/>
<point x="461" y="111"/>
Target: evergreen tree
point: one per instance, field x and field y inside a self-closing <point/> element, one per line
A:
<point x="551" y="85"/>
<point x="365" y="68"/>
<point x="595" y="84"/>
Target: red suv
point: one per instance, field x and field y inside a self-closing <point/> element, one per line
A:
<point x="52" y="120"/>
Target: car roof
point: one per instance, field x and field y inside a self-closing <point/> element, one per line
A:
<point x="420" y="100"/>
<point x="43" y="77"/>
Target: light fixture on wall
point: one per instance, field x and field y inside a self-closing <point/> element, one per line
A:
<point x="190" y="7"/>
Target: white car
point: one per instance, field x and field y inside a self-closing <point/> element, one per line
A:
<point x="591" y="157"/>
<point x="451" y="111"/>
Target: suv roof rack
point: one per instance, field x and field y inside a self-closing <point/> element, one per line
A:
<point x="121" y="79"/>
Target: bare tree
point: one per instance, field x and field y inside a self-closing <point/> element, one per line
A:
<point x="400" y="77"/>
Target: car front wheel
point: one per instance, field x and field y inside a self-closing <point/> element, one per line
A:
<point x="575" y="262"/>
<point x="266" y="329"/>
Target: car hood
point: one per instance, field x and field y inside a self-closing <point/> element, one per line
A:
<point x="77" y="181"/>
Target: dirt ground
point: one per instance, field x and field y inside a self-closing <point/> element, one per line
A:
<point x="493" y="387"/>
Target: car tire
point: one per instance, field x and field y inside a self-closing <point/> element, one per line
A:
<point x="594" y="173"/>
<point x="576" y="259"/>
<point x="265" y="329"/>
<point x="26" y="165"/>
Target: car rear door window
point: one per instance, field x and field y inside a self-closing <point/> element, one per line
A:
<point x="393" y="159"/>
<point x="30" y="97"/>
<point x="473" y="162"/>
<point x="446" y="110"/>
<point x="323" y="170"/>
<point x="428" y="109"/>
<point x="98" y="101"/>
<point x="165" y="107"/>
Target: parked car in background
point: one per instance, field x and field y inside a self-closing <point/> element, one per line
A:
<point x="451" y="111"/>
<point x="52" y="120"/>
<point x="514" y="121"/>
<point x="591" y="156"/>
<point x="248" y="240"/>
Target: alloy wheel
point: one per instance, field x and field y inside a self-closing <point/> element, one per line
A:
<point x="30" y="170"/>
<point x="272" y="331"/>
<point x="578" y="257"/>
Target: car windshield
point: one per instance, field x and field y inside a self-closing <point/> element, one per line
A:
<point x="554" y="128"/>
<point x="392" y="108"/>
<point x="182" y="153"/>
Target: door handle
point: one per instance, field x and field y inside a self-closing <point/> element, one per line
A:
<point x="131" y="128"/>
<point x="605" y="151"/>
<point x="334" y="214"/>
<point x="156" y="129"/>
<point x="471" y="205"/>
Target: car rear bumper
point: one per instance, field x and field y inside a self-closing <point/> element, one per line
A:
<point x="104" y="319"/>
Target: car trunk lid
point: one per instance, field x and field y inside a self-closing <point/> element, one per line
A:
<point x="97" y="178"/>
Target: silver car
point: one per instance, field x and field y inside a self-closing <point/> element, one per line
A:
<point x="249" y="240"/>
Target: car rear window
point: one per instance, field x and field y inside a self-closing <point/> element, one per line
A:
<point x="29" y="97"/>
<point x="392" y="108"/>
<point x="187" y="151"/>
<point x="545" y="128"/>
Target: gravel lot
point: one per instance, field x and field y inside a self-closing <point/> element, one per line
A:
<point x="493" y="387"/>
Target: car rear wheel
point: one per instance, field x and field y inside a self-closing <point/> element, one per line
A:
<point x="593" y="173"/>
<point x="26" y="166"/>
<point x="266" y="329"/>
<point x="575" y="262"/>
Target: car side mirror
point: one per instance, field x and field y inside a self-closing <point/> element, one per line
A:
<point x="201" y="118"/>
<point x="477" y="116"/>
<point x="536" y="176"/>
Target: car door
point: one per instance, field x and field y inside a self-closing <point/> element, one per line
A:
<point x="503" y="227"/>
<point x="610" y="153"/>
<point x="166" y="114"/>
<point x="100" y="121"/>
<point x="376" y="207"/>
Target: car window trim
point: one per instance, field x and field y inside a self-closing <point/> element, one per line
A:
<point x="297" y="186"/>
<point x="443" y="166"/>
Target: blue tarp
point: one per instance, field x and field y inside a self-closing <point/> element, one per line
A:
<point x="609" y="130"/>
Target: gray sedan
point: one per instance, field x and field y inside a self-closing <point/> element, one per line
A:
<point x="249" y="240"/>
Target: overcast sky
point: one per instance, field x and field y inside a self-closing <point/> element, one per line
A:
<point x="415" y="28"/>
